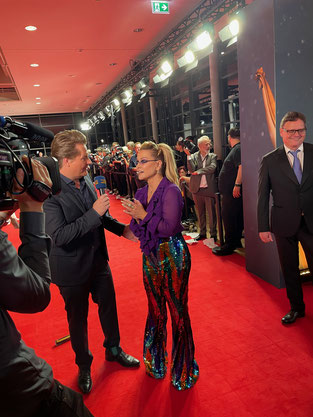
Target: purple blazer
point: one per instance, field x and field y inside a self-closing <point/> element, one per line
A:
<point x="163" y="218"/>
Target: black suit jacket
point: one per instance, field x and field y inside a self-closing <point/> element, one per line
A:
<point x="72" y="229"/>
<point x="291" y="200"/>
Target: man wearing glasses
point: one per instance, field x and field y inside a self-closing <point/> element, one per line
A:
<point x="287" y="173"/>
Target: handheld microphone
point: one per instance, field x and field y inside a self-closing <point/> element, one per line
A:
<point x="100" y="184"/>
<point x="27" y="130"/>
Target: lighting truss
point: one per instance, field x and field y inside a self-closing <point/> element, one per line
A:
<point x="180" y="36"/>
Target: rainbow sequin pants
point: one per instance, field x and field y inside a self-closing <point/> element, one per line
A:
<point x="166" y="277"/>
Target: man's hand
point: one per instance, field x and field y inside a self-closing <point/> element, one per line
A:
<point x="236" y="192"/>
<point x="128" y="234"/>
<point x="194" y="173"/>
<point x="40" y="173"/>
<point x="266" y="237"/>
<point x="187" y="151"/>
<point x="102" y="204"/>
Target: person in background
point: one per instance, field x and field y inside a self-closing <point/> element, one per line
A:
<point x="202" y="166"/>
<point x="230" y="188"/>
<point x="287" y="174"/>
<point x="189" y="216"/>
<point x="156" y="221"/>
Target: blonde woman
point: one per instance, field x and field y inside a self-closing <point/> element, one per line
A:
<point x="156" y="213"/>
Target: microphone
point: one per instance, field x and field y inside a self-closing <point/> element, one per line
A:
<point x="100" y="184"/>
<point x="27" y="130"/>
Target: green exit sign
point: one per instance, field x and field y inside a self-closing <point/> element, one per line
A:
<point x="160" y="7"/>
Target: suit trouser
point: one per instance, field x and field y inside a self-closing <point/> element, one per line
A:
<point x="76" y="298"/>
<point x="232" y="215"/>
<point x="288" y="251"/>
<point x="205" y="204"/>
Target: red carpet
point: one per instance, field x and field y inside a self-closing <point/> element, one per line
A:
<point x="250" y="365"/>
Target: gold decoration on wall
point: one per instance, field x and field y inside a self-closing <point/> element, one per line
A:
<point x="269" y="104"/>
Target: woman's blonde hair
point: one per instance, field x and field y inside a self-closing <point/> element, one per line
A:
<point x="162" y="152"/>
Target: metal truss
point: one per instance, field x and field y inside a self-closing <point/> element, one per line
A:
<point x="180" y="36"/>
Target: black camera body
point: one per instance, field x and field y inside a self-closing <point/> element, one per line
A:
<point x="10" y="162"/>
<point x="120" y="155"/>
<point x="187" y="143"/>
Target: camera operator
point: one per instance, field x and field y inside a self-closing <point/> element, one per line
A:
<point x="27" y="387"/>
<point x="120" y="163"/>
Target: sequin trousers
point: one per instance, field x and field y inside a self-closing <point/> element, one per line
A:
<point x="166" y="277"/>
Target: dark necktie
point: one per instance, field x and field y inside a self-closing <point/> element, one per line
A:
<point x="296" y="165"/>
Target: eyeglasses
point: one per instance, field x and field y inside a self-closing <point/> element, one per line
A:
<point x="144" y="161"/>
<point x="294" y="131"/>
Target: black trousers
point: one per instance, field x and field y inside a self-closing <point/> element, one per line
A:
<point x="63" y="402"/>
<point x="288" y="251"/>
<point x="232" y="215"/>
<point x="76" y="298"/>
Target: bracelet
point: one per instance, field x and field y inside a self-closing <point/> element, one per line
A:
<point x="237" y="185"/>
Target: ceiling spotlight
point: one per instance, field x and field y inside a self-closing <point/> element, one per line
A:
<point x="190" y="57"/>
<point x="95" y="119"/>
<point x="34" y="65"/>
<point x="85" y="126"/>
<point x="156" y="79"/>
<point x="166" y="67"/>
<point x="30" y="28"/>
<point x="38" y="98"/>
<point x="38" y="102"/>
<point x="230" y="31"/>
<point x="234" y="27"/>
<point x="188" y="61"/>
<point x="113" y="64"/>
<point x="101" y="115"/>
<point x="203" y="40"/>
<point x="142" y="87"/>
<point x="36" y="85"/>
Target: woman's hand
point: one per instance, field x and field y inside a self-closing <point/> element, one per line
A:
<point x="134" y="209"/>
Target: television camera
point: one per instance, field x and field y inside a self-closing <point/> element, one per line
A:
<point x="11" y="132"/>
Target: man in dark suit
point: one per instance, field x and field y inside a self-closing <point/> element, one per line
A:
<point x="79" y="259"/>
<point x="287" y="174"/>
<point x="229" y="185"/>
<point x="202" y="166"/>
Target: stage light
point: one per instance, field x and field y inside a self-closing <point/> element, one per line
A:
<point x="101" y="115"/>
<point x="85" y="126"/>
<point x="190" y="57"/>
<point x="116" y="102"/>
<point x="108" y="110"/>
<point x="142" y="87"/>
<point x="95" y="119"/>
<point x="127" y="95"/>
<point x="234" y="27"/>
<point x="203" y="40"/>
<point x="230" y="31"/>
<point x="166" y="67"/>
<point x="157" y="79"/>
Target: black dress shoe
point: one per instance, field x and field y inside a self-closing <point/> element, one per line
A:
<point x="292" y="316"/>
<point x="223" y="250"/>
<point x="200" y="237"/>
<point x="121" y="357"/>
<point x="84" y="381"/>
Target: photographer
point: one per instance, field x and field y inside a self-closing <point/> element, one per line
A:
<point x="27" y="387"/>
<point x="120" y="163"/>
